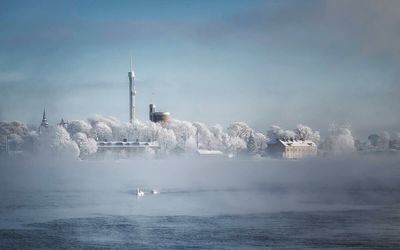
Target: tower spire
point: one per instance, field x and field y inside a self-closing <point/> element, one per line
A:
<point x="44" y="123"/>
<point x="44" y="115"/>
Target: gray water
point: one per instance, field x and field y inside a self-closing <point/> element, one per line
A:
<point x="351" y="203"/>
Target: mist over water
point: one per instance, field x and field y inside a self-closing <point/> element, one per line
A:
<point x="348" y="202"/>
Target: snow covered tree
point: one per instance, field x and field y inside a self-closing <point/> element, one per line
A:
<point x="340" y="141"/>
<point x="395" y="141"/>
<point x="87" y="146"/>
<point x="235" y="144"/>
<point x="277" y="133"/>
<point x="306" y="133"/>
<point x="219" y="137"/>
<point x="14" y="133"/>
<point x="261" y="141"/>
<point x="379" y="142"/>
<point x="56" y="142"/>
<point x="204" y="136"/>
<point x="77" y="126"/>
<point x="166" y="139"/>
<point x="239" y="129"/>
<point x="185" y="134"/>
<point x="101" y="131"/>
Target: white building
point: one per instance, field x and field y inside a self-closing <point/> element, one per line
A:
<point x="125" y="149"/>
<point x="209" y="153"/>
<point x="293" y="149"/>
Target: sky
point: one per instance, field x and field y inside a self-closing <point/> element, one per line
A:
<point x="262" y="62"/>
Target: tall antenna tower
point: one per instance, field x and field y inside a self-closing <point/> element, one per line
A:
<point x="132" y="94"/>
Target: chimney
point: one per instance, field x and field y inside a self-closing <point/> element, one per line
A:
<point x="152" y="109"/>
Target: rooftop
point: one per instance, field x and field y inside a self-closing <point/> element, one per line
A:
<point x="127" y="144"/>
<point x="209" y="152"/>
<point x="160" y="113"/>
<point x="298" y="143"/>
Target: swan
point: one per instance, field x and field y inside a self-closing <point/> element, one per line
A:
<point x="139" y="192"/>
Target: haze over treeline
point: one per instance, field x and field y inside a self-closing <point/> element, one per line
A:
<point x="80" y="137"/>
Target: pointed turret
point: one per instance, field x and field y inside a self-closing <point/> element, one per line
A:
<point x="44" y="122"/>
<point x="63" y="123"/>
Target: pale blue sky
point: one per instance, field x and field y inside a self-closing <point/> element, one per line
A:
<point x="263" y="62"/>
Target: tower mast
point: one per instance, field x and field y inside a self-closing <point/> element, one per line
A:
<point x="132" y="94"/>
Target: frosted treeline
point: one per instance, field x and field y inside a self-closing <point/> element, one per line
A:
<point x="300" y="133"/>
<point x="79" y="137"/>
<point x="339" y="141"/>
<point x="380" y="142"/>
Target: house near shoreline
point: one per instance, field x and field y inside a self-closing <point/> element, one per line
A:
<point x="125" y="148"/>
<point x="293" y="149"/>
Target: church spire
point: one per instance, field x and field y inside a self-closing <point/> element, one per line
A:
<point x="44" y="122"/>
<point x="44" y="114"/>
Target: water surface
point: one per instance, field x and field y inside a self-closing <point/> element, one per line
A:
<point x="202" y="204"/>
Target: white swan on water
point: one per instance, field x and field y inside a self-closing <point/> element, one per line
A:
<point x="154" y="191"/>
<point x="139" y="192"/>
